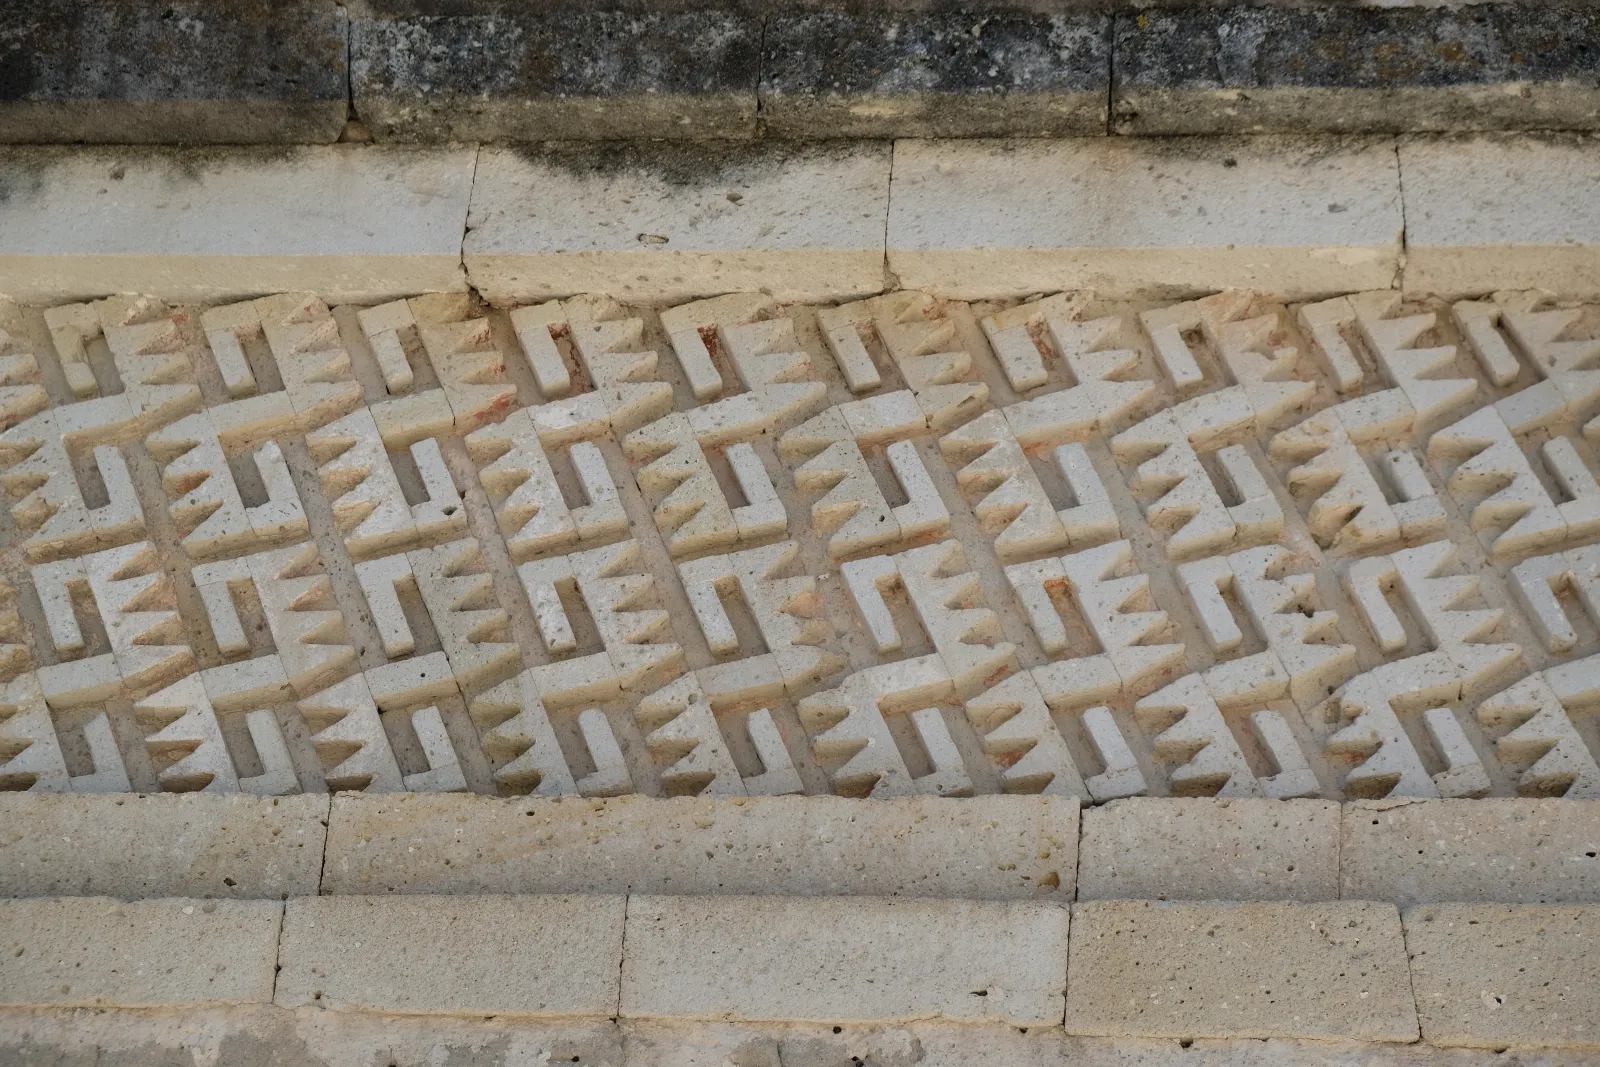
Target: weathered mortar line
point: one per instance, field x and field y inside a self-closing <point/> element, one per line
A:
<point x="1111" y="75"/>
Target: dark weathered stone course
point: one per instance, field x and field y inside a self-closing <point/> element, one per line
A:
<point x="1245" y="69"/>
<point x="935" y="75"/>
<point x="199" y="71"/>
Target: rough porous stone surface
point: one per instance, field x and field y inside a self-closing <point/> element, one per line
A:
<point x="462" y="955"/>
<point x="1504" y="850"/>
<point x="982" y="848"/>
<point x="1189" y="970"/>
<point x="844" y="959"/>
<point x="1496" y="975"/>
<point x="191" y="71"/>
<point x="934" y="75"/>
<point x="141" y="845"/>
<point x="174" y="952"/>
<point x="1203" y="849"/>
<point x="1250" y="69"/>
<point x="532" y="74"/>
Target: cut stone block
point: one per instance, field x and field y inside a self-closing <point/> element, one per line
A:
<point x="1189" y="970"/>
<point x="987" y="848"/>
<point x="536" y="74"/>
<point x="983" y="219"/>
<point x="1498" y="975"/>
<point x="934" y="74"/>
<point x="174" y="952"/>
<point x="131" y="846"/>
<point x="799" y="223"/>
<point x="1494" y="849"/>
<point x="843" y="959"/>
<point x="1501" y="212"/>
<point x="200" y="226"/>
<point x="465" y="955"/>
<point x="1203" y="849"/>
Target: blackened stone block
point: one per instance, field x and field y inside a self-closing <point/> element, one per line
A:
<point x="1381" y="70"/>
<point x="190" y="71"/>
<point x="935" y="75"/>
<point x="533" y="74"/>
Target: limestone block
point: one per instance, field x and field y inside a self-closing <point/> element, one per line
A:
<point x="1177" y="849"/>
<point x="1510" y="851"/>
<point x="1013" y="953"/>
<point x="393" y="224"/>
<point x="457" y="955"/>
<point x="1144" y="968"/>
<point x="167" y="953"/>
<point x="982" y="848"/>
<point x="980" y="219"/>
<point x="1493" y="975"/>
<point x="804" y="224"/>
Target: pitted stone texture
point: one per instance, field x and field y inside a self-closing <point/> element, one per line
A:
<point x="535" y="74"/>
<point x="1507" y="211"/>
<point x="211" y="225"/>
<point x="465" y="955"/>
<point x="174" y="952"/>
<point x="799" y="223"/>
<point x="1204" y="849"/>
<point x="933" y="74"/>
<point x="132" y="846"/>
<point x="1502" y="850"/>
<point x="1497" y="975"/>
<point x="844" y="960"/>
<point x="985" y="848"/>
<point x="1188" y="970"/>
<point x="1293" y="216"/>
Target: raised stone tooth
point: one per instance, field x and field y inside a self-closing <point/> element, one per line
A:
<point x="1248" y="680"/>
<point x="1186" y="503"/>
<point x="690" y="508"/>
<point x="349" y="738"/>
<point x="1122" y="776"/>
<point x="778" y="776"/>
<point x="1365" y="581"/>
<point x="470" y="367"/>
<point x="249" y="683"/>
<point x="1257" y="516"/>
<point x="923" y="514"/>
<point x="1277" y="609"/>
<point x="226" y="328"/>
<point x="81" y="681"/>
<point x="686" y="326"/>
<point x="1203" y="582"/>
<point x="281" y="516"/>
<point x="202" y="496"/>
<point x="843" y="336"/>
<point x="780" y="387"/>
<point x="311" y="358"/>
<point x="138" y="606"/>
<point x="1326" y="322"/>
<point x="383" y="326"/>
<point x="948" y="599"/>
<point x="1092" y="520"/>
<point x="369" y="508"/>
<point x="852" y="511"/>
<point x="866" y="579"/>
<point x="277" y="777"/>
<point x="1464" y="774"/>
<point x="1262" y="367"/>
<point x="763" y="514"/>
<point x="1295" y="777"/>
<point x="1389" y="763"/>
<point x="1022" y="739"/>
<point x="157" y="376"/>
<point x="1534" y="583"/>
<point x="610" y="776"/>
<point x="847" y="724"/>
<point x="516" y="728"/>
<point x="409" y="684"/>
<point x="1166" y="327"/>
<point x="1348" y="508"/>
<point x="1517" y="503"/>
<point x="1191" y="731"/>
<point x="404" y="420"/>
<point x="522" y="489"/>
<point x="30" y="752"/>
<point x="1432" y="597"/>
<point x="441" y="514"/>
<point x="1544" y="736"/>
<point x="1104" y="597"/>
<point x="1098" y="400"/>
<point x="1410" y="369"/>
<point x="189" y="739"/>
<point x="537" y="328"/>
<point x="51" y="513"/>
<point x="1478" y="321"/>
<point x="949" y="775"/>
<point x="918" y="336"/>
<point x="685" y="741"/>
<point x="1033" y="582"/>
<point x="623" y="375"/>
<point x="22" y="391"/>
<point x="71" y="327"/>
<point x="444" y="773"/>
<point x="1012" y="506"/>
<point x="53" y="582"/>
<point x="110" y="775"/>
<point x="307" y="626"/>
<point x="1582" y="512"/>
<point x="1011" y="335"/>
<point x="603" y="517"/>
<point x="473" y="628"/>
<point x="1419" y="512"/>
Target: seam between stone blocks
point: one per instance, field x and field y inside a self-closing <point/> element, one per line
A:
<point x="1405" y="222"/>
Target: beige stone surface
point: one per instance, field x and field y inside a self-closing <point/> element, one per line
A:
<point x="1495" y="849"/>
<point x="1499" y="975"/>
<point x="466" y="955"/>
<point x="352" y="222"/>
<point x="1187" y="970"/>
<point x="173" y="952"/>
<point x="977" y="848"/>
<point x="1205" y="849"/>
<point x="1493" y="211"/>
<point x="799" y="224"/>
<point x="844" y="960"/>
<point x="974" y="219"/>
<point x="133" y="845"/>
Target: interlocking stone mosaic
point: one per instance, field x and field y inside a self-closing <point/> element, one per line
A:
<point x="901" y="546"/>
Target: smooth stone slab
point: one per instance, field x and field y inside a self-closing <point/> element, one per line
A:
<point x="988" y="848"/>
<point x="844" y="960"/>
<point x="1498" y="975"/>
<point x="1142" y="968"/>
<point x="1282" y="69"/>
<point x="1495" y="849"/>
<point x="1510" y="211"/>
<point x="132" y="845"/>
<point x="459" y="955"/>
<point x="173" y="952"/>
<point x="935" y="74"/>
<point x="534" y="73"/>
<point x="1290" y="216"/>
<point x="358" y="223"/>
<point x="187" y="71"/>
<point x="661" y="223"/>
<point x="1203" y="849"/>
